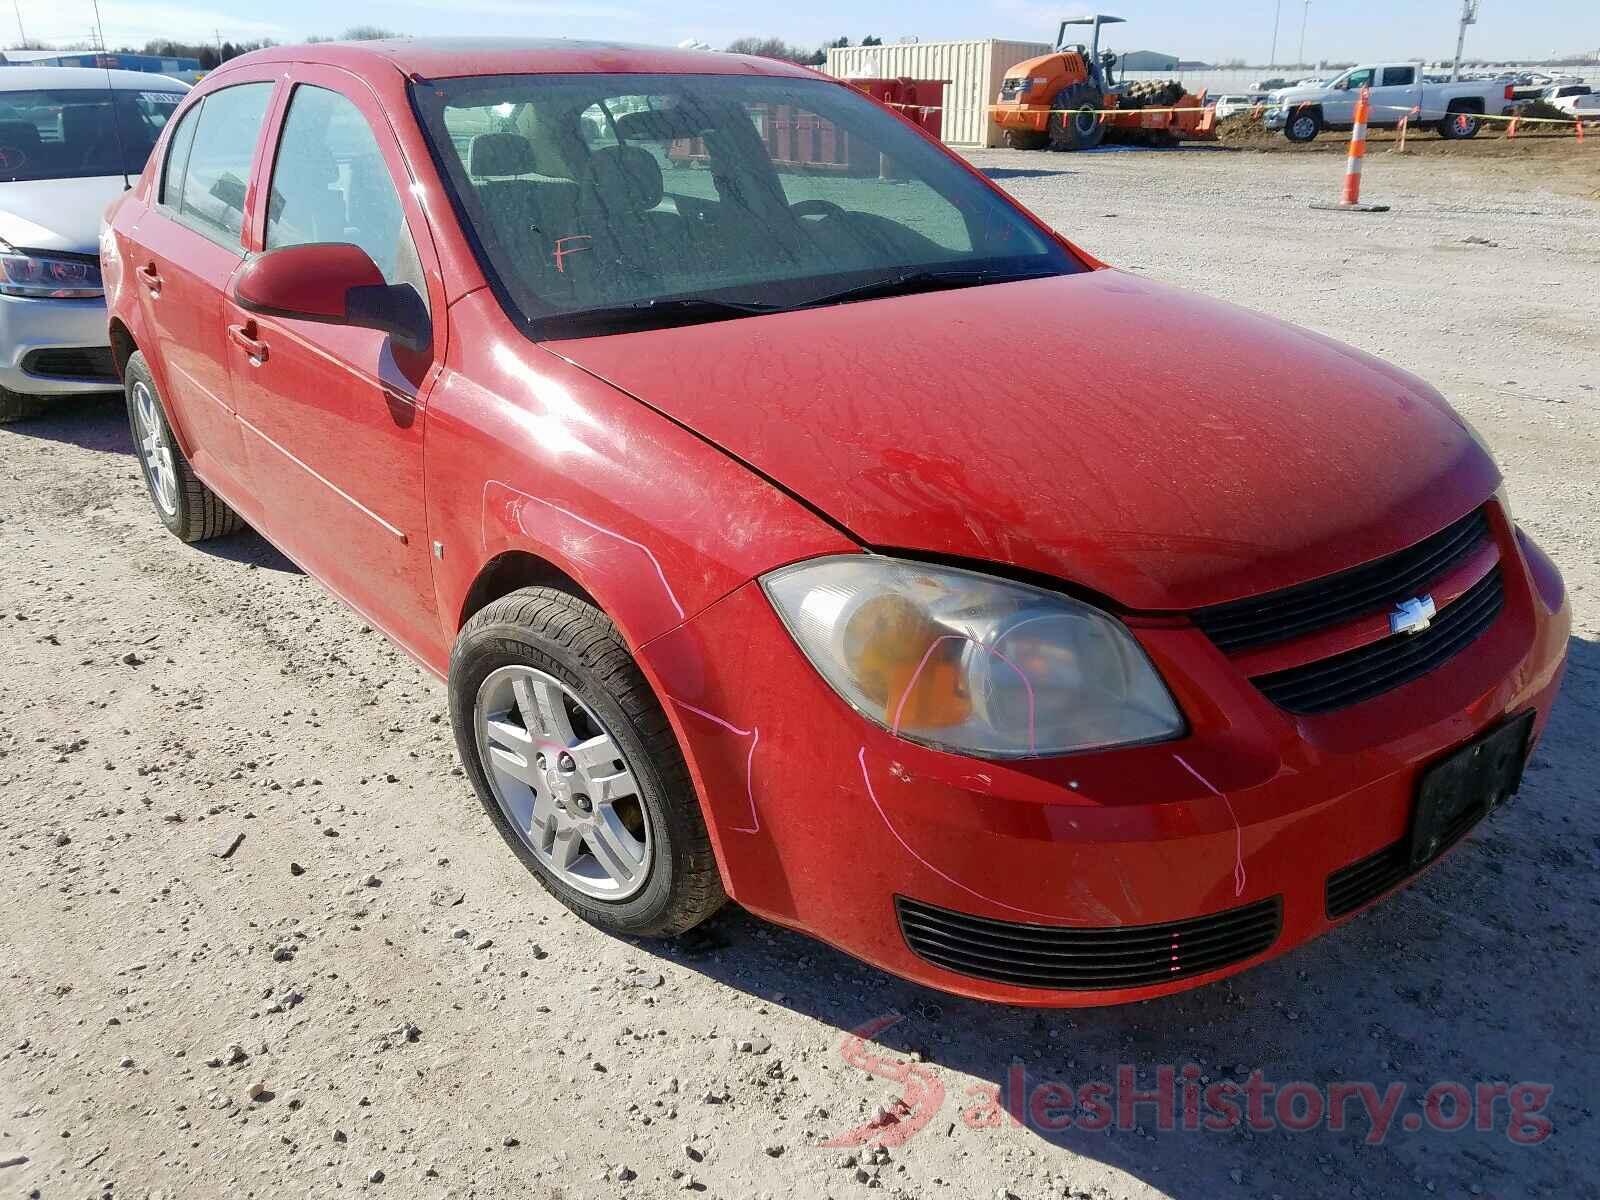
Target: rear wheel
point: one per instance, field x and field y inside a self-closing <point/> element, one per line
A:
<point x="16" y="406"/>
<point x="1076" y="123"/>
<point x="1460" y="124"/>
<point x="190" y="510"/>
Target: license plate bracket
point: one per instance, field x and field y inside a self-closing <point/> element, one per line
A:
<point x="1460" y="789"/>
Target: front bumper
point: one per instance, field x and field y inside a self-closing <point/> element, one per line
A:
<point x="31" y="328"/>
<point x="824" y="822"/>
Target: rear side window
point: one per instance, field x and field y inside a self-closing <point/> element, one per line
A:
<point x="215" y="174"/>
<point x="1399" y="76"/>
<point x="178" y="158"/>
<point x="330" y="184"/>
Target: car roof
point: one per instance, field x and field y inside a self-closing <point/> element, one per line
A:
<point x="27" y="79"/>
<point x="442" y="58"/>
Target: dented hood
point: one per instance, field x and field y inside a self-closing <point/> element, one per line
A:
<point x="1159" y="448"/>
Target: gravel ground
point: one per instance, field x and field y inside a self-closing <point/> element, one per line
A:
<point x="365" y="994"/>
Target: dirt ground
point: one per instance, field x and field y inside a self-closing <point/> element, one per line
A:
<point x="1535" y="156"/>
<point x="366" y="995"/>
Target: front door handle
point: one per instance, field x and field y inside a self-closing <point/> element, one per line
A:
<point x="244" y="336"/>
<point x="151" y="278"/>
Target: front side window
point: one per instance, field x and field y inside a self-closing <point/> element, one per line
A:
<point x="601" y="202"/>
<point x="216" y="173"/>
<point x="76" y="133"/>
<point x="330" y="184"/>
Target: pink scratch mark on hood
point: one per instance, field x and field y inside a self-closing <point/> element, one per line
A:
<point x="754" y="734"/>
<point x="894" y="726"/>
<point x="861" y="757"/>
<point x="1238" y="833"/>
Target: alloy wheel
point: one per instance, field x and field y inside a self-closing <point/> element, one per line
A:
<point x="562" y="783"/>
<point x="154" y="451"/>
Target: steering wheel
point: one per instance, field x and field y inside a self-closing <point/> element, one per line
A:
<point x="826" y="209"/>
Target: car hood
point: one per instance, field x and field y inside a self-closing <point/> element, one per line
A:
<point x="56" y="214"/>
<point x="1159" y="448"/>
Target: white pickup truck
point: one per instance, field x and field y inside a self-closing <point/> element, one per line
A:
<point x="1456" y="110"/>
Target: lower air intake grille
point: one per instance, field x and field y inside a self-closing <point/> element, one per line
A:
<point x="1075" y="958"/>
<point x="1366" y="879"/>
<point x="88" y="362"/>
<point x="1360" y="674"/>
<point x="1351" y="887"/>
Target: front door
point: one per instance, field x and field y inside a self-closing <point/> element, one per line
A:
<point x="1339" y="108"/>
<point x="188" y="246"/>
<point x="332" y="415"/>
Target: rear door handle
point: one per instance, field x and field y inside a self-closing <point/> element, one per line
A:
<point x="244" y="336"/>
<point x="151" y="277"/>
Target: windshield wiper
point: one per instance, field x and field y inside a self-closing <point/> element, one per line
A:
<point x="678" y="310"/>
<point x="909" y="282"/>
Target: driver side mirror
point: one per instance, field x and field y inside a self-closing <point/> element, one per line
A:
<point x="336" y="283"/>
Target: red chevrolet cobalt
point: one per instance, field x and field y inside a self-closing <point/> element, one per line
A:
<point x="795" y="519"/>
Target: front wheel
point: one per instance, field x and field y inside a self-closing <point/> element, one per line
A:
<point x="576" y="765"/>
<point x="1302" y="126"/>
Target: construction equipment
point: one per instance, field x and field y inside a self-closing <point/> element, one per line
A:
<point x="1069" y="100"/>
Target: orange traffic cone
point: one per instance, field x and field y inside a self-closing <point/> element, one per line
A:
<point x="1350" y="201"/>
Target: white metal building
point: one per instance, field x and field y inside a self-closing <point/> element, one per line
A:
<point x="971" y="72"/>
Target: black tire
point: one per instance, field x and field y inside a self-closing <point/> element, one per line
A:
<point x="574" y="642"/>
<point x="1460" y="124"/>
<point x="1072" y="128"/>
<point x="1023" y="139"/>
<point x="1303" y="125"/>
<point x="190" y="510"/>
<point x="18" y="406"/>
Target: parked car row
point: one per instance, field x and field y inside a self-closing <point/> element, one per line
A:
<point x="761" y="561"/>
<point x="1579" y="99"/>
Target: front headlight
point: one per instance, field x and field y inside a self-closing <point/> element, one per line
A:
<point x="48" y="276"/>
<point x="971" y="663"/>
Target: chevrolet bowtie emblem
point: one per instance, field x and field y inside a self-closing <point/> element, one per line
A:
<point x="1413" y="615"/>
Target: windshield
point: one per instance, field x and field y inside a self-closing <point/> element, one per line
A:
<point x="68" y="133"/>
<point x="604" y="202"/>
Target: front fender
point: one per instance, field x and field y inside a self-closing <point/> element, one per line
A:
<point x="528" y="453"/>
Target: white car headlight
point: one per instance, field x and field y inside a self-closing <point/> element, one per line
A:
<point x="970" y="663"/>
<point x="48" y="276"/>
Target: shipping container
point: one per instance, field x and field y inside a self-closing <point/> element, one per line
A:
<point x="970" y="71"/>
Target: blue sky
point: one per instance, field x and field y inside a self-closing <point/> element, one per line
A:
<point x="1205" y="29"/>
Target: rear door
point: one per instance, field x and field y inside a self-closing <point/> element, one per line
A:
<point x="185" y="249"/>
<point x="332" y="414"/>
<point x="1396" y="94"/>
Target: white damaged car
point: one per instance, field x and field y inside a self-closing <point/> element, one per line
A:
<point x="70" y="139"/>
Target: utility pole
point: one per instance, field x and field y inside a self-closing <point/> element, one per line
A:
<point x="1304" y="17"/>
<point x="1469" y="16"/>
<point x="1277" y="15"/>
<point x="22" y="36"/>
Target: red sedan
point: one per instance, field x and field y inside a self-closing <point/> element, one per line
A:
<point x="795" y="519"/>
